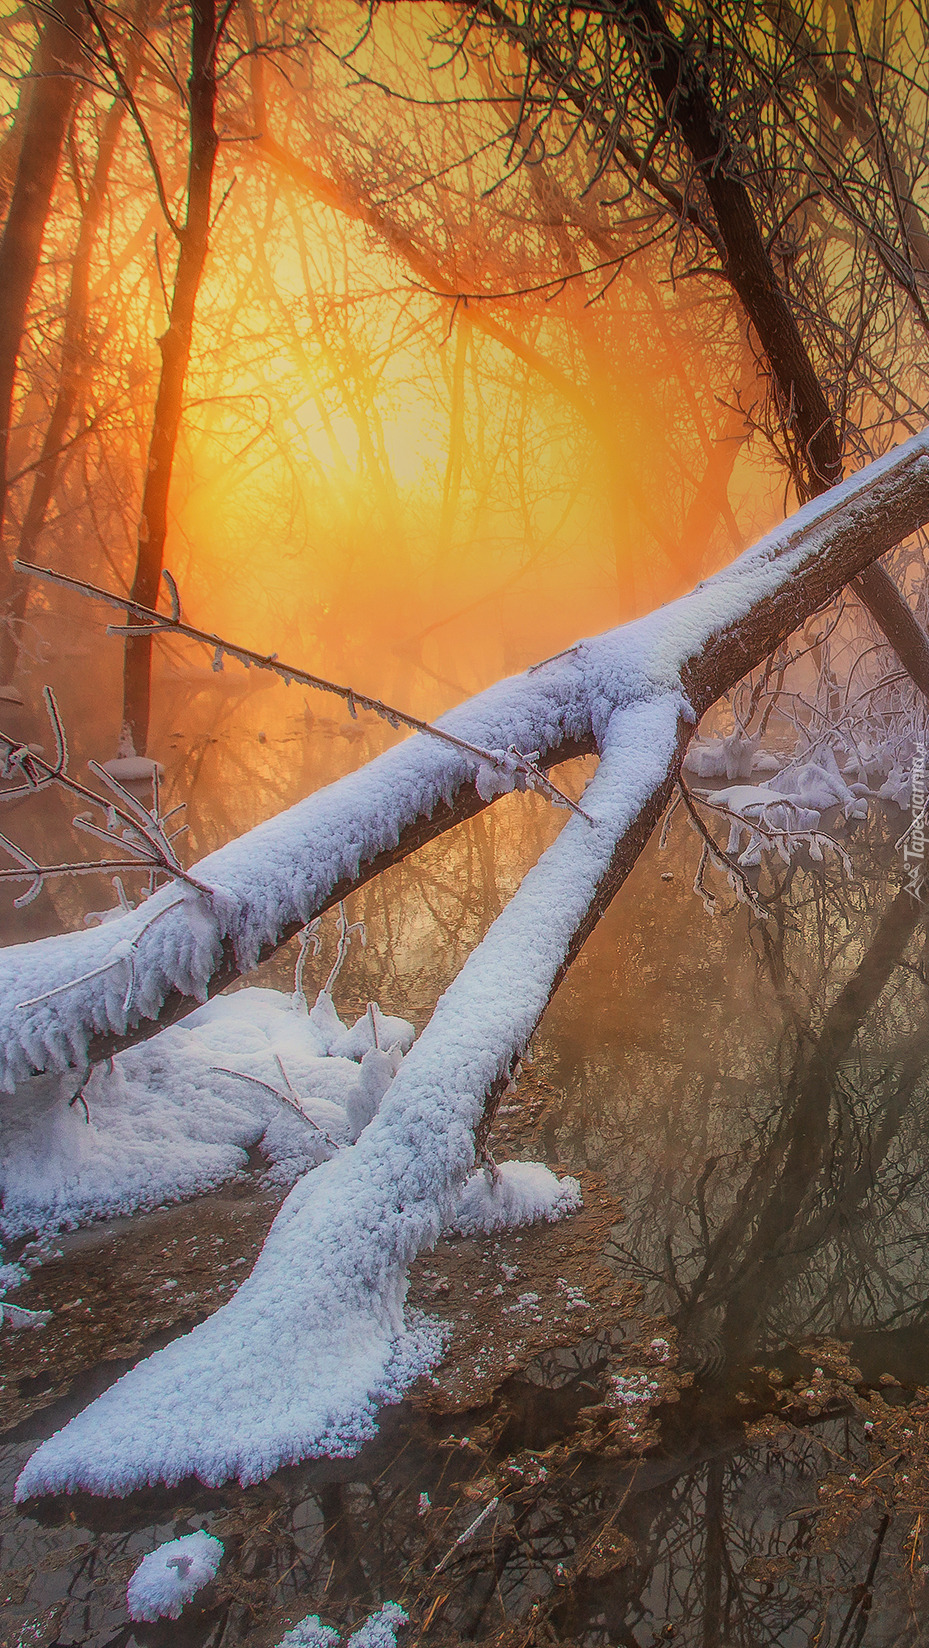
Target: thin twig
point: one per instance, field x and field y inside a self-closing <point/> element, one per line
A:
<point x="719" y="856"/>
<point x="509" y="762"/>
<point x="141" y="832"/>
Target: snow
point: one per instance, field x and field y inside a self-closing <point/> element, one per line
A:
<point x="176" y="1115"/>
<point x="297" y="1363"/>
<point x="374" y="1029"/>
<point x="11" y="1276"/>
<point x="16" y="1316"/>
<point x="791" y="801"/>
<point x="379" y="1630"/>
<point x="283" y="872"/>
<point x="315" y="1340"/>
<point x="627" y="1390"/>
<point x="133" y="769"/>
<point x="170" y="1576"/>
<point x="310" y="1633"/>
<point x="519" y="1193"/>
<point x="732" y="757"/>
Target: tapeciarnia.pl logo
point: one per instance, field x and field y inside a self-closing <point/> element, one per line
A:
<point x="914" y="840"/>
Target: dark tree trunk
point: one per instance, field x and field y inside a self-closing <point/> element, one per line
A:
<point x="813" y="442"/>
<point x="75" y="362"/>
<point x="175" y="355"/>
<point x="51" y="97"/>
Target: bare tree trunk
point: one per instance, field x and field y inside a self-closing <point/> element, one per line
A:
<point x="813" y="445"/>
<point x="813" y="442"/>
<point x="175" y="355"/>
<point x="75" y="359"/>
<point x="51" y="99"/>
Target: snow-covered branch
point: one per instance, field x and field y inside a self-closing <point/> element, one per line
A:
<point x="262" y="888"/>
<point x="322" y="1314"/>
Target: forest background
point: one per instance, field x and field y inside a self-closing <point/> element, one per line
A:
<point x="467" y="375"/>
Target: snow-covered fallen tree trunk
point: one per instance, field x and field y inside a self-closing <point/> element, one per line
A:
<point x="65" y="1001"/>
<point x="298" y="1361"/>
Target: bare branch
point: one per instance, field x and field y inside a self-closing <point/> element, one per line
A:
<point x="508" y="763"/>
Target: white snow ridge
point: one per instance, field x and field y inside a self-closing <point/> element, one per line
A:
<point x="170" y="1576"/>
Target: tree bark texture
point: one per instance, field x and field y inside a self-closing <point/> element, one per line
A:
<point x="813" y="440"/>
<point x="75" y="365"/>
<point x="51" y="96"/>
<point x="175" y="347"/>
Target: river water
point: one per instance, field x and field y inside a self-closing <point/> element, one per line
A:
<point x="729" y="1446"/>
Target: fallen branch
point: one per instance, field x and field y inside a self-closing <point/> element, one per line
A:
<point x="300" y="1359"/>
<point x="270" y="883"/>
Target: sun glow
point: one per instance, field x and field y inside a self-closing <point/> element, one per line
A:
<point x="376" y="468"/>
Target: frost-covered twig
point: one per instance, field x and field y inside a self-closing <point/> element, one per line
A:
<point x="289" y="1098"/>
<point x="781" y="840"/>
<point x="138" y="832"/>
<point x="506" y="763"/>
<point x="346" y="932"/>
<point x="37" y="874"/>
<point x="469" y="1532"/>
<point x="737" y="876"/>
<point x="309" y="940"/>
<point x="123" y="950"/>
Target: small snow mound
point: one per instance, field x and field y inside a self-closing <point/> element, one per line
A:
<point x="379" y="1630"/>
<point x="309" y="1633"/>
<point x="168" y="1577"/>
<point x="373" y="1029"/>
<point x="325" y="1022"/>
<point x="521" y="1194"/>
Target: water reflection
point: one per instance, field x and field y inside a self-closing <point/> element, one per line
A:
<point x="754" y="1094"/>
